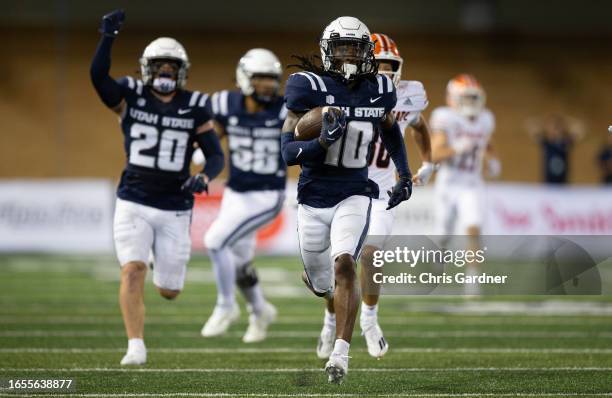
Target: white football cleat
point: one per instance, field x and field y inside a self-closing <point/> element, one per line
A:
<point x="377" y="345"/>
<point x="336" y="368"/>
<point x="220" y="321"/>
<point x="325" y="345"/>
<point x="258" y="324"/>
<point x="134" y="357"/>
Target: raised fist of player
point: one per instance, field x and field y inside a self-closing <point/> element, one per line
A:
<point x="111" y="23"/>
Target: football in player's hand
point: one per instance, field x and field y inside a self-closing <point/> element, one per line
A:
<point x="309" y="126"/>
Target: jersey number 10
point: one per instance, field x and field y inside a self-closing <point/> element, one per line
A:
<point x="352" y="150"/>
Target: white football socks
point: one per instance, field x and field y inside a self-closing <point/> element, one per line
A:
<point x="225" y="275"/>
<point x="136" y="345"/>
<point x="369" y="310"/>
<point x="329" y="321"/>
<point x="341" y="348"/>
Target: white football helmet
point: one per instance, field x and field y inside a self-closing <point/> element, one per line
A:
<point x="257" y="62"/>
<point x="465" y="95"/>
<point x="164" y="48"/>
<point x="346" y="48"/>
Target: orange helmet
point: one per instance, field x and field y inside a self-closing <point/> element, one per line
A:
<point x="385" y="49"/>
<point x="465" y="94"/>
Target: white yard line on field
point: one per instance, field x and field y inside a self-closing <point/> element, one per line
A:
<point x="314" y="334"/>
<point x="441" y="305"/>
<point x="510" y="320"/>
<point x="320" y="395"/>
<point x="290" y="350"/>
<point x="493" y="350"/>
<point x="297" y="370"/>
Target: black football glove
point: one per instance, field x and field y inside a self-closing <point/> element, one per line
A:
<point x="111" y="23"/>
<point x="401" y="192"/>
<point x="196" y="184"/>
<point x="334" y="125"/>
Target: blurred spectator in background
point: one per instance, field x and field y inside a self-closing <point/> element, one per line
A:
<point x="556" y="134"/>
<point x="604" y="159"/>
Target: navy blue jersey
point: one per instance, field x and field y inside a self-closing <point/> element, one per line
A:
<point x="159" y="141"/>
<point x="343" y="170"/>
<point x="254" y="141"/>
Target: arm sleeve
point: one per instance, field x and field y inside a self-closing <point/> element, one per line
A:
<point x="217" y="105"/>
<point x="211" y="147"/>
<point x="106" y="87"/>
<point x="394" y="143"/>
<point x="297" y="152"/>
<point x="202" y="111"/>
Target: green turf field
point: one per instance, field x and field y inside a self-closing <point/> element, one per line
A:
<point x="59" y="318"/>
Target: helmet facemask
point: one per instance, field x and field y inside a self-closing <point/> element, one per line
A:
<point x="465" y="95"/>
<point x="395" y="73"/>
<point x="265" y="97"/>
<point x="348" y="58"/>
<point x="470" y="102"/>
<point x="164" y="74"/>
<point x="160" y="52"/>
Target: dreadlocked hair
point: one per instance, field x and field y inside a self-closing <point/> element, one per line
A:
<point x="313" y="63"/>
<point x="309" y="63"/>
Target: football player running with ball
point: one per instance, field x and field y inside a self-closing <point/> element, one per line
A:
<point x="161" y="122"/>
<point x="411" y="101"/>
<point x="334" y="192"/>
<point x="251" y="118"/>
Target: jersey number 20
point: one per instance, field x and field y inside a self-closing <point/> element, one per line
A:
<point x="172" y="147"/>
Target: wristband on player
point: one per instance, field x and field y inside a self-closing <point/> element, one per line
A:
<point x="424" y="173"/>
